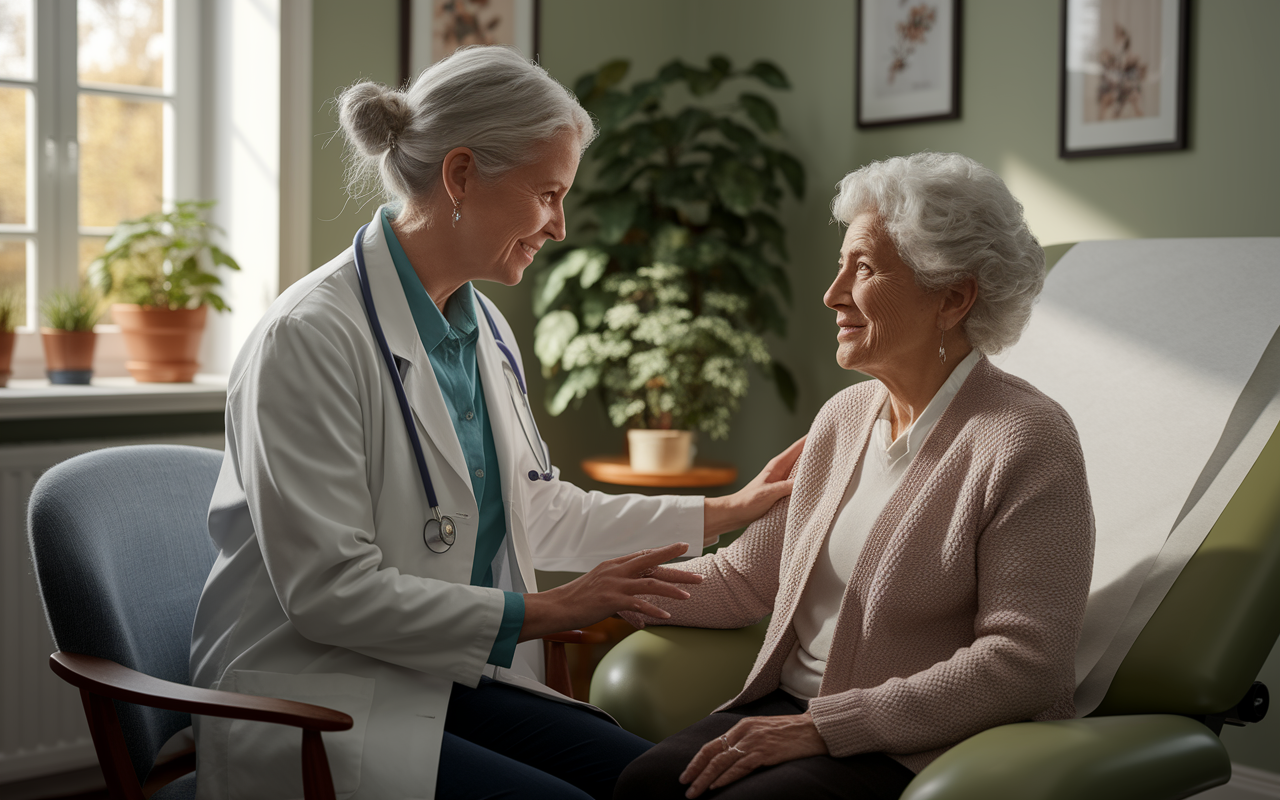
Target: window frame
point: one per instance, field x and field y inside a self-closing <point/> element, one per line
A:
<point x="52" y="229"/>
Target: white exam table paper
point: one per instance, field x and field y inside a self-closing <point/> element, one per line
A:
<point x="1149" y="344"/>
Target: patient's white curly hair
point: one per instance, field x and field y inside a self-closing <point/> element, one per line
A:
<point x="950" y="218"/>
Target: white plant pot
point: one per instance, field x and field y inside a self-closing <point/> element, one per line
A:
<point x="661" y="452"/>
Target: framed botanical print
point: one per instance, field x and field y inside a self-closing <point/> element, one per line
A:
<point x="432" y="29"/>
<point x="908" y="61"/>
<point x="1123" y="77"/>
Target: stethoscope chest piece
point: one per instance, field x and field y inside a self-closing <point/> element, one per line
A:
<point x="439" y="534"/>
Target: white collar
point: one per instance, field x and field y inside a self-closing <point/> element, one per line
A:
<point x="909" y="441"/>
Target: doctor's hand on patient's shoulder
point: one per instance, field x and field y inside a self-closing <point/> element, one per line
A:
<point x="613" y="586"/>
<point x="748" y="504"/>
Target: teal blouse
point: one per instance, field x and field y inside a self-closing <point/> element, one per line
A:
<point x="451" y="347"/>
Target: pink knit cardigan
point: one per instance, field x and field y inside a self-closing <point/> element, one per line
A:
<point x="964" y="609"/>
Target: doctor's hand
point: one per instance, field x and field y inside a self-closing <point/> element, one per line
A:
<point x="613" y="586"/>
<point x="748" y="504"/>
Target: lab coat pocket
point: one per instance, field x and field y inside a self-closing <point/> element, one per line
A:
<point x="265" y="760"/>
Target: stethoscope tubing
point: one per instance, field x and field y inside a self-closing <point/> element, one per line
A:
<point x="444" y="525"/>
<point x="390" y="360"/>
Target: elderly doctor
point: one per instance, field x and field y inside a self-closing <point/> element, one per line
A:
<point x="385" y="496"/>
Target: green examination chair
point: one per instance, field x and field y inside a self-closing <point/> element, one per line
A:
<point x="1155" y="735"/>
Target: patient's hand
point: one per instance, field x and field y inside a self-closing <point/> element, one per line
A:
<point x="748" y="504"/>
<point x="753" y="743"/>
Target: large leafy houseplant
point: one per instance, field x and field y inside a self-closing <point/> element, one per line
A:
<point x="161" y="271"/>
<point x="660" y="302"/>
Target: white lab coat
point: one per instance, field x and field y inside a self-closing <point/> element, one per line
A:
<point x="323" y="590"/>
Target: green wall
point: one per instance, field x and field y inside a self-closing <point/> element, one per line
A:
<point x="1221" y="186"/>
<point x="350" y="42"/>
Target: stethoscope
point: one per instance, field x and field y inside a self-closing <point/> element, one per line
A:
<point x="440" y="532"/>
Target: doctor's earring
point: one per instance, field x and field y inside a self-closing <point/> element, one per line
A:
<point x="457" y="213"/>
<point x="942" y="347"/>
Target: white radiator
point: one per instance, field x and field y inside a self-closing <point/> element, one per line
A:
<point x="42" y="725"/>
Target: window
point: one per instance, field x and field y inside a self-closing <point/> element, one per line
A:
<point x="98" y="116"/>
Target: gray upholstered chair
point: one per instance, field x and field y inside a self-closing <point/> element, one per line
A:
<point x="121" y="550"/>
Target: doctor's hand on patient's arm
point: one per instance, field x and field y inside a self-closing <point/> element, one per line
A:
<point x="611" y="587"/>
<point x="753" y="743"/>
<point x="748" y="504"/>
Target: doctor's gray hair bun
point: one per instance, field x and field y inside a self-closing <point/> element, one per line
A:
<point x="490" y="99"/>
<point x="373" y="117"/>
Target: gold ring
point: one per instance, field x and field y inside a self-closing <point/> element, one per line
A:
<point x="724" y="740"/>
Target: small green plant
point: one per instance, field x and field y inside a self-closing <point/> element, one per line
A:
<point x="660" y="301"/>
<point x="13" y="309"/>
<point x="73" y="310"/>
<point x="165" y="260"/>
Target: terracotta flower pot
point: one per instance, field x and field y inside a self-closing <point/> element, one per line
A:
<point x="162" y="344"/>
<point x="7" y="343"/>
<point x="68" y="355"/>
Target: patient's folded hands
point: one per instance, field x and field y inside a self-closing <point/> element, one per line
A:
<point x="614" y="585"/>
<point x="745" y="506"/>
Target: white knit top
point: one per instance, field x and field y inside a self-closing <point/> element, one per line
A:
<point x="874" y="480"/>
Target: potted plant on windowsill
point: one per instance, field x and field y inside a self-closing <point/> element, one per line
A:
<point x="11" y="313"/>
<point x="659" y="304"/>
<point x="69" y="338"/>
<point x="160" y="270"/>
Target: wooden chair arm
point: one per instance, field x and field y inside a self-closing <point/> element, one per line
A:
<point x="557" y="663"/>
<point x="109" y="679"/>
<point x="575" y="637"/>
<point x="101" y="680"/>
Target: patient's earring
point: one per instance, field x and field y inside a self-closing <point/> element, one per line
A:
<point x="942" y="348"/>
<point x="457" y="215"/>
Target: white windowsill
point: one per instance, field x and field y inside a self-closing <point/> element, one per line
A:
<point x="109" y="397"/>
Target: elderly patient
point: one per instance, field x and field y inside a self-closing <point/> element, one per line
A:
<point x="928" y="576"/>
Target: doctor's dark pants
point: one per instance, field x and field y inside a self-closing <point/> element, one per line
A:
<point x="502" y="742"/>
